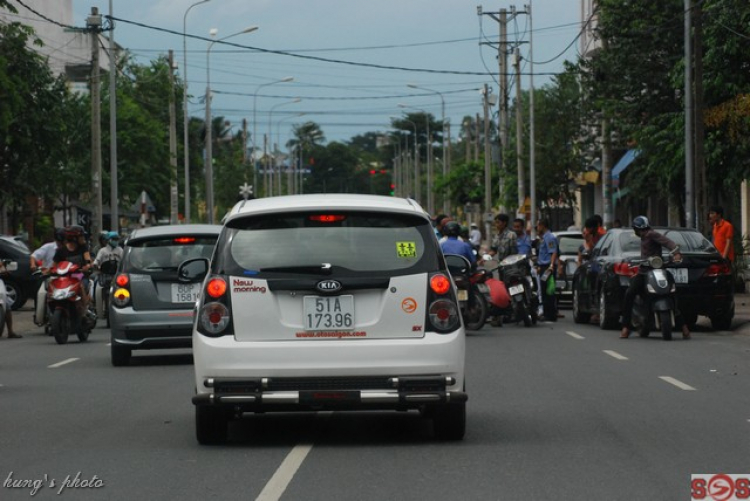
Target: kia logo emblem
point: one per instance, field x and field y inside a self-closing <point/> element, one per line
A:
<point x="328" y="286"/>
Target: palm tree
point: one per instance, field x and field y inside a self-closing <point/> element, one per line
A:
<point x="306" y="135"/>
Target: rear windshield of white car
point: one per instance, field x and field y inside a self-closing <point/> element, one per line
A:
<point x="357" y="242"/>
<point x="162" y="254"/>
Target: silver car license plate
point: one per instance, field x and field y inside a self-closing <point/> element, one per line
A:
<point x="328" y="313"/>
<point x="185" y="293"/>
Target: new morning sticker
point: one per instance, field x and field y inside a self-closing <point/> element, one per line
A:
<point x="406" y="249"/>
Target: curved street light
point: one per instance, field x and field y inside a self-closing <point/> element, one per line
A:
<point x="186" y="120"/>
<point x="445" y="148"/>
<point x="209" y="124"/>
<point x="255" y="130"/>
<point x="270" y="137"/>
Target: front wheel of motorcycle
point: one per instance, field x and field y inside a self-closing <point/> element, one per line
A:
<point x="476" y="314"/>
<point x="59" y="326"/>
<point x="665" y="319"/>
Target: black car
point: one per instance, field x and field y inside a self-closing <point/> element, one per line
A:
<point x="704" y="278"/>
<point x="20" y="284"/>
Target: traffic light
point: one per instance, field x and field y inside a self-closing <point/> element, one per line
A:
<point x="393" y="189"/>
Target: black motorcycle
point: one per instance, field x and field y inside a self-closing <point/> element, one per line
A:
<point x="471" y="301"/>
<point x="654" y="306"/>
<point x="515" y="271"/>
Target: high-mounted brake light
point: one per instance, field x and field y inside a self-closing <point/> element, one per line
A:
<point x="327" y="218"/>
<point x="122" y="280"/>
<point x="184" y="240"/>
<point x="216" y="287"/>
<point x="440" y="284"/>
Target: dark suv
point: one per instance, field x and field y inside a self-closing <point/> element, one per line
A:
<point x="20" y="284"/>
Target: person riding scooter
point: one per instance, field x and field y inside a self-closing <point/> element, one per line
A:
<point x="76" y="251"/>
<point x="651" y="245"/>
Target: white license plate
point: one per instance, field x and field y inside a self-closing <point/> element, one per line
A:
<point x="463" y="295"/>
<point x="329" y="313"/>
<point x="515" y="289"/>
<point x="680" y="275"/>
<point x="185" y="293"/>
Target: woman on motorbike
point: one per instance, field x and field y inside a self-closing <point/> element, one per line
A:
<point x="75" y="250"/>
<point x="111" y="250"/>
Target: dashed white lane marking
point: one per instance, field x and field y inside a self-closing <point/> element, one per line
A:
<point x="281" y="479"/>
<point x="574" y="335"/>
<point x="677" y="383"/>
<point x="64" y="362"/>
<point x="616" y="355"/>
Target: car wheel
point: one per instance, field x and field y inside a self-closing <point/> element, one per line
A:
<point x="210" y="425"/>
<point x="449" y="422"/>
<point x="579" y="317"/>
<point x="723" y="322"/>
<point x="606" y="319"/>
<point x="120" y="355"/>
<point x="15" y="295"/>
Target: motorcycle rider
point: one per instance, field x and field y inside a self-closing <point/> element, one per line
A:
<point x="44" y="257"/>
<point x="452" y="244"/>
<point x="76" y="251"/>
<point x="111" y="250"/>
<point x="651" y="244"/>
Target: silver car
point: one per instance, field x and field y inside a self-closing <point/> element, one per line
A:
<point x="149" y="307"/>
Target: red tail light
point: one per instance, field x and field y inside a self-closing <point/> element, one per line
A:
<point x="216" y="287"/>
<point x="122" y="280"/>
<point x="625" y="269"/>
<point x="327" y="218"/>
<point x="440" y="284"/>
<point x="718" y="269"/>
<point x="184" y="240"/>
<point x="121" y="294"/>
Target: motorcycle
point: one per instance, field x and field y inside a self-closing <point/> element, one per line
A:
<point x="516" y="272"/>
<point x="495" y="293"/>
<point x="102" y="288"/>
<point x="471" y="301"/>
<point x="654" y="306"/>
<point x="64" y="294"/>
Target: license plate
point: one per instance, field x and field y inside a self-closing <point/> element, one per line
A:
<point x="185" y="293"/>
<point x="329" y="313"/>
<point x="463" y="295"/>
<point x="515" y="289"/>
<point x="680" y="275"/>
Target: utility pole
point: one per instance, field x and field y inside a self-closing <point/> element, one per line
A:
<point x="172" y="144"/>
<point x="701" y="183"/>
<point x="113" y="190"/>
<point x="94" y="26"/>
<point x="689" y="145"/>
<point x="519" y="136"/>
<point x="487" y="164"/>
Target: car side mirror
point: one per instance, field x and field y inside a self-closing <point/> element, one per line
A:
<point x="193" y="270"/>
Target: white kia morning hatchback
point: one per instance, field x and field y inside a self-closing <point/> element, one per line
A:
<point x="326" y="302"/>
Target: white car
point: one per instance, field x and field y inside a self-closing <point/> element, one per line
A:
<point x="326" y="302"/>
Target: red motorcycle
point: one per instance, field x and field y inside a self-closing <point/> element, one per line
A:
<point x="64" y="302"/>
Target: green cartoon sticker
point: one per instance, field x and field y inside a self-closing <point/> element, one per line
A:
<point x="406" y="249"/>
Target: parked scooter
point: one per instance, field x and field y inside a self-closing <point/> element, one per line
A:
<point x="654" y="307"/>
<point x="102" y="287"/>
<point x="516" y="273"/>
<point x="472" y="303"/>
<point x="495" y="292"/>
<point x="64" y="294"/>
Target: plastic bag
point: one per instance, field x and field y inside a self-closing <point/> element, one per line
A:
<point x="551" y="286"/>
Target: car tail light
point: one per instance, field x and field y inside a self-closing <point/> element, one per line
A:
<point x="184" y="240"/>
<point x="443" y="315"/>
<point x="440" y="284"/>
<point x="625" y="269"/>
<point x="717" y="269"/>
<point x="215" y="310"/>
<point x="121" y="294"/>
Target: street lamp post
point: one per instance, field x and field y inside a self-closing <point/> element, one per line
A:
<point x="270" y="137"/>
<point x="209" y="125"/>
<point x="291" y="182"/>
<point x="417" y="191"/>
<point x="255" y="130"/>
<point x="186" y="120"/>
<point x="443" y="156"/>
<point x="428" y="143"/>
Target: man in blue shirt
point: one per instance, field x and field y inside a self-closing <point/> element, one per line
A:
<point x="452" y="245"/>
<point x="546" y="263"/>
<point x="523" y="242"/>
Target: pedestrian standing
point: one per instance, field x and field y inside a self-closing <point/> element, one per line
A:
<point x="723" y="232"/>
<point x="8" y="311"/>
<point x="523" y="240"/>
<point x="547" y="267"/>
<point x="475" y="236"/>
<point x="504" y="242"/>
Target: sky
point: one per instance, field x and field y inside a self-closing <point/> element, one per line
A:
<point x="351" y="60"/>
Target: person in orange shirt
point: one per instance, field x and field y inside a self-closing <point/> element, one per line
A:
<point x="723" y="232"/>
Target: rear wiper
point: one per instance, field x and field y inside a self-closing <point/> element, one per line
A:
<point x="323" y="268"/>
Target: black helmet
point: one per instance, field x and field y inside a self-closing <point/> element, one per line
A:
<point x="451" y="229"/>
<point x="641" y="223"/>
<point x="59" y="234"/>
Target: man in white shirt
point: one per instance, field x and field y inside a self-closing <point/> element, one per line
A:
<point x="475" y="236"/>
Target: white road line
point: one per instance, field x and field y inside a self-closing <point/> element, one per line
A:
<point x="677" y="383"/>
<point x="58" y="364"/>
<point x="616" y="355"/>
<point x="574" y="335"/>
<point x="281" y="479"/>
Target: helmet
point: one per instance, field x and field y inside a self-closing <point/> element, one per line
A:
<point x="74" y="231"/>
<point x="641" y="223"/>
<point x="59" y="234"/>
<point x="451" y="229"/>
<point x="113" y="235"/>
